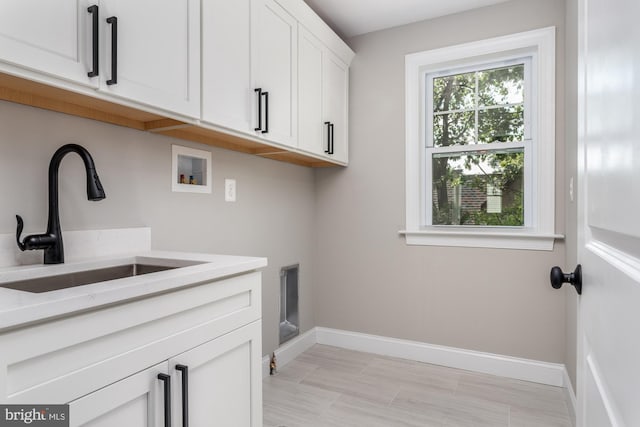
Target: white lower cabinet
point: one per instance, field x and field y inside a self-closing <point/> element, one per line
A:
<point x="111" y="365"/>
<point x="134" y="401"/>
<point x="224" y="386"/>
<point x="216" y="383"/>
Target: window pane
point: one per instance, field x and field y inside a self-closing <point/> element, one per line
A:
<point x="501" y="86"/>
<point x="501" y="124"/>
<point x="454" y="129"/>
<point x="455" y="92"/>
<point x="478" y="188"/>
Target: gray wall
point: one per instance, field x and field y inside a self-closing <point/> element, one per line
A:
<point x="273" y="216"/>
<point x="366" y="278"/>
<point x="571" y="122"/>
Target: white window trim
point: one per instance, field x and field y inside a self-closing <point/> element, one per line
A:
<point x="539" y="234"/>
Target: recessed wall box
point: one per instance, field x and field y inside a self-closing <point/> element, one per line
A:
<point x="190" y="170"/>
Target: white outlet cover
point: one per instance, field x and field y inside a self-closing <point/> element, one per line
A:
<point x="571" y="189"/>
<point x="229" y="190"/>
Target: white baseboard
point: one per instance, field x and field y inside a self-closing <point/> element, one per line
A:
<point x="290" y="350"/>
<point x="505" y="366"/>
<point x="570" y="396"/>
<point x="554" y="374"/>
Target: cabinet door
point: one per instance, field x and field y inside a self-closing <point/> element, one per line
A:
<point x="224" y="380"/>
<point x="274" y="67"/>
<point x="158" y="53"/>
<point x="48" y="36"/>
<point x="311" y="134"/>
<point x="336" y="103"/>
<point x="227" y="93"/>
<point x="136" y="401"/>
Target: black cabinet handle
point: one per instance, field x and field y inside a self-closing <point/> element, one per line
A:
<point x="167" y="398"/>
<point x="93" y="10"/>
<point x="557" y="278"/>
<point x="266" y="112"/>
<point x="328" y="150"/>
<point x="185" y="394"/>
<point x="262" y="94"/>
<point x="331" y="132"/>
<point x="259" y="92"/>
<point x="114" y="50"/>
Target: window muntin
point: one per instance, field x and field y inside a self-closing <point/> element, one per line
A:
<point x="478" y="146"/>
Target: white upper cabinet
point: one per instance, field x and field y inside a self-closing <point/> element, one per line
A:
<point x="274" y="71"/>
<point x="267" y="70"/>
<point x="156" y="60"/>
<point x="227" y="91"/>
<point x="157" y="53"/>
<point x="311" y="135"/>
<point x="53" y="37"/>
<point x="323" y="99"/>
<point x="249" y="62"/>
<point x="335" y="105"/>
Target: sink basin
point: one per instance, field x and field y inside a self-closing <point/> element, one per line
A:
<point x="79" y="278"/>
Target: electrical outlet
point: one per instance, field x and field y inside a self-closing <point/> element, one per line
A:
<point x="229" y="190"/>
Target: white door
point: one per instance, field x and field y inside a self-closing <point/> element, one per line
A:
<point x="224" y="380"/>
<point x="227" y="92"/>
<point x="609" y="229"/>
<point x="274" y="69"/>
<point x="158" y="53"/>
<point x="136" y="401"/>
<point x="50" y="36"/>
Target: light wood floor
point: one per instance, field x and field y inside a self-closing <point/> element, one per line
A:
<point x="329" y="386"/>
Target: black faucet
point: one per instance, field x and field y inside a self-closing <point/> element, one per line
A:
<point x="51" y="241"/>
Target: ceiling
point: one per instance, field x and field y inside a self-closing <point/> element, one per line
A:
<point x="354" y="17"/>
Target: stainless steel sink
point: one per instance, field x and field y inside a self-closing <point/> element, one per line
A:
<point x="79" y="278"/>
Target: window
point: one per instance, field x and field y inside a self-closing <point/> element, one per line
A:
<point x="478" y="133"/>
<point x="480" y="144"/>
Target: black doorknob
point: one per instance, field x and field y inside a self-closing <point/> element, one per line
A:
<point x="558" y="278"/>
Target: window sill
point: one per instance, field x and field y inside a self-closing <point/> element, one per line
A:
<point x="482" y="238"/>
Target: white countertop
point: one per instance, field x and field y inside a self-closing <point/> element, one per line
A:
<point x="19" y="308"/>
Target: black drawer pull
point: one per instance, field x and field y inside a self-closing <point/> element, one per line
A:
<point x="185" y="394"/>
<point x="93" y="10"/>
<point x="259" y="92"/>
<point x="328" y="124"/>
<point x="266" y="112"/>
<point x="114" y="50"/>
<point x="331" y="131"/>
<point x="167" y="398"/>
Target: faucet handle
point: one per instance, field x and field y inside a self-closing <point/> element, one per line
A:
<point x="19" y="232"/>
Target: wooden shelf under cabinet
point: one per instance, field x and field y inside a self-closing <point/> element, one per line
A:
<point x="27" y="92"/>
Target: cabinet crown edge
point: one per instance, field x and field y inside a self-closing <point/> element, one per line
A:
<point x="306" y="17"/>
